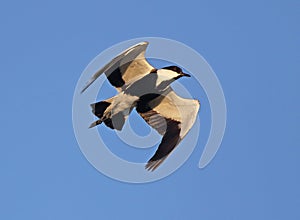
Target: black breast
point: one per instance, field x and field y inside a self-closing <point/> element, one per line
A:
<point x="143" y="104"/>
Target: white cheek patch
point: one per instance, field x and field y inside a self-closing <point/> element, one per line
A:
<point x="164" y="75"/>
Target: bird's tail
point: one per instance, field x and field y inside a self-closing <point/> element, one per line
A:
<point x="103" y="111"/>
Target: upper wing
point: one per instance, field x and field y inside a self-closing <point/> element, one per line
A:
<point x="172" y="116"/>
<point x="128" y="65"/>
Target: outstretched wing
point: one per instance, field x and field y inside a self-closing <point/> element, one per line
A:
<point x="172" y="116"/>
<point x="128" y="65"/>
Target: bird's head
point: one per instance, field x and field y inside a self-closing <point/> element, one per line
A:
<point x="167" y="75"/>
<point x="175" y="72"/>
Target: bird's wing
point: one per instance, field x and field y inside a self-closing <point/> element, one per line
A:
<point x="128" y="65"/>
<point x="172" y="116"/>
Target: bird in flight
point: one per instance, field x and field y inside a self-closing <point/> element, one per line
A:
<point x="148" y="90"/>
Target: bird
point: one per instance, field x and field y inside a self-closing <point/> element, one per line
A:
<point x="149" y="91"/>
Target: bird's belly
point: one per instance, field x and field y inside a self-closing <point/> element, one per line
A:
<point x="123" y="103"/>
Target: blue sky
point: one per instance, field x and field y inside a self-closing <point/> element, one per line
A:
<point x="253" y="46"/>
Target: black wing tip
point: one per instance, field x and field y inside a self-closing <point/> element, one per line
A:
<point x="150" y="166"/>
<point x="82" y="91"/>
<point x="154" y="164"/>
<point x="87" y="86"/>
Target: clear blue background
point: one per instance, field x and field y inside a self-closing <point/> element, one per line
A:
<point x="253" y="46"/>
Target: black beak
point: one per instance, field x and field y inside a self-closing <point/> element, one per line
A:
<point x="185" y="74"/>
